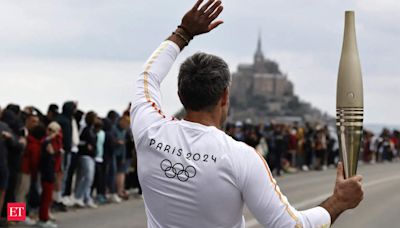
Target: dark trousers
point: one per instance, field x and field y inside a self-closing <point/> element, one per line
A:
<point x="132" y="181"/>
<point x="332" y="154"/>
<point x="99" y="179"/>
<point x="308" y="156"/>
<point x="70" y="173"/>
<point x="136" y="182"/>
<point x="110" y="164"/>
<point x="34" y="195"/>
<point x="278" y="162"/>
<point x="46" y="200"/>
<point x="275" y="162"/>
<point x="320" y="155"/>
<point x="10" y="191"/>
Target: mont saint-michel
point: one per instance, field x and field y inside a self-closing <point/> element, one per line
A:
<point x="261" y="92"/>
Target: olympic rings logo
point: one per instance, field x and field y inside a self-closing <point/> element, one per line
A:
<point x="177" y="170"/>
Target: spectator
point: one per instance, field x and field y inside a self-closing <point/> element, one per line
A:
<point x="119" y="132"/>
<point x="8" y="141"/>
<point x="47" y="170"/>
<point x="367" y="147"/>
<point x="99" y="179"/>
<point x="320" y="148"/>
<point x="252" y="138"/>
<point x="300" y="159"/>
<point x="130" y="150"/>
<point x="262" y="148"/>
<point x="27" y="181"/>
<point x="110" y="160"/>
<point x="292" y="145"/>
<point x="52" y="114"/>
<point x="136" y="183"/>
<point x="333" y="147"/>
<point x="308" y="147"/>
<point x="29" y="172"/>
<point x="113" y="117"/>
<point x="395" y="142"/>
<point x="78" y="116"/>
<point x="239" y="134"/>
<point x="57" y="143"/>
<point x="70" y="132"/>
<point x="387" y="146"/>
<point x="280" y="148"/>
<point x="10" y="116"/>
<point x="87" y="152"/>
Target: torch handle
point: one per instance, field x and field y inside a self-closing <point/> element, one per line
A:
<point x="349" y="122"/>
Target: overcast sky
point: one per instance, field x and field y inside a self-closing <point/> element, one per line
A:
<point x="92" y="50"/>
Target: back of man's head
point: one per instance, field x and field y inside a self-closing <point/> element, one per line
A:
<point x="202" y="80"/>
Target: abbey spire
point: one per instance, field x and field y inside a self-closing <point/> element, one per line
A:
<point x="259" y="55"/>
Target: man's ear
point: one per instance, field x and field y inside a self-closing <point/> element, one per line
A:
<point x="225" y="97"/>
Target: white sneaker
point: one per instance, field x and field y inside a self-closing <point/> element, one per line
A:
<point x="79" y="203"/>
<point x="29" y="221"/>
<point x="68" y="201"/>
<point x="52" y="217"/>
<point x="91" y="204"/>
<point x="373" y="162"/>
<point x="47" y="224"/>
<point x="305" y="168"/>
<point x="115" y="198"/>
<point x="133" y="191"/>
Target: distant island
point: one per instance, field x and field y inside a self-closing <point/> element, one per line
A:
<point x="261" y="93"/>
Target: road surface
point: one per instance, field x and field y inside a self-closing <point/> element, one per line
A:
<point x="380" y="208"/>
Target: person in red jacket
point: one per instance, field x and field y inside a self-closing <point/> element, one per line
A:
<point x="29" y="170"/>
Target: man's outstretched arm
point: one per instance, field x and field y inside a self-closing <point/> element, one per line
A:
<point x="146" y="108"/>
<point x="272" y="209"/>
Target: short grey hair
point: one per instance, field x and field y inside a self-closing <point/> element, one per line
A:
<point x="202" y="80"/>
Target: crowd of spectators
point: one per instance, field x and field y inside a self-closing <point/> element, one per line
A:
<point x="302" y="147"/>
<point x="68" y="158"/>
<point x="64" y="159"/>
<point x="384" y="147"/>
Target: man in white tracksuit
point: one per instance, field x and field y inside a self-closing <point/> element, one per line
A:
<point x="192" y="173"/>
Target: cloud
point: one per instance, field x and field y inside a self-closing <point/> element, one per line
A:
<point x="92" y="50"/>
<point x="96" y="85"/>
<point x="391" y="6"/>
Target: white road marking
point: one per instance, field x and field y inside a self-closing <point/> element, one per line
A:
<point x="317" y="200"/>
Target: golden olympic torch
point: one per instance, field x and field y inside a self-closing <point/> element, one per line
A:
<point x="349" y="99"/>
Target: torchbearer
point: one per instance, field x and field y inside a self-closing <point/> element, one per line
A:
<point x="191" y="172"/>
<point x="350" y="104"/>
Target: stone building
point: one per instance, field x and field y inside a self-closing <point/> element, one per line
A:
<point x="261" y="92"/>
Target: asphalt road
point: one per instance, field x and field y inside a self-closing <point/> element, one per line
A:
<point x="380" y="208"/>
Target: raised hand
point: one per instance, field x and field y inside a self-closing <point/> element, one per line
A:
<point x="202" y="18"/>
